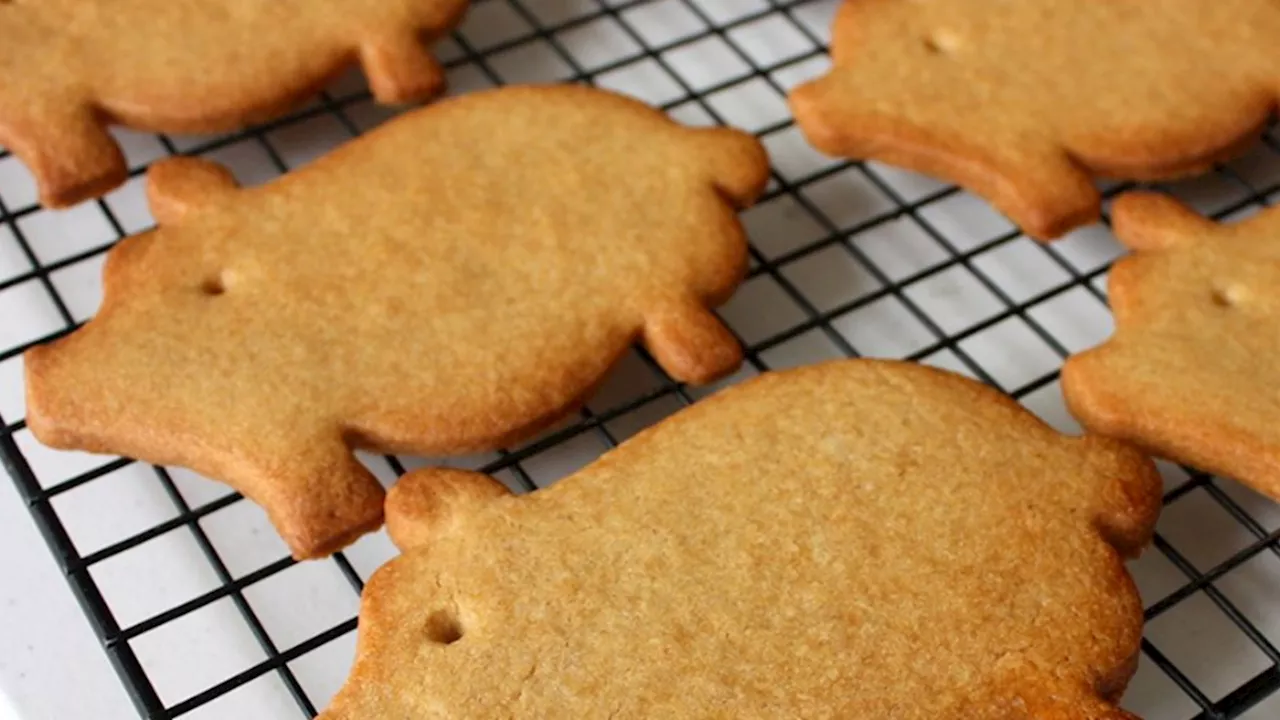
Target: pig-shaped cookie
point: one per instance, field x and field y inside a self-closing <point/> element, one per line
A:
<point x="860" y="539"/>
<point x="69" y="68"/>
<point x="1024" y="101"/>
<point x="452" y="282"/>
<point x="1191" y="372"/>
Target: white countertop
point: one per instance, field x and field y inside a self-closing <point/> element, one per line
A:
<point x="51" y="665"/>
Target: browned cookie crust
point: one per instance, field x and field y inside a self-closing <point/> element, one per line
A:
<point x="69" y="68"/>
<point x="1191" y="372"/>
<point x="1025" y="102"/>
<point x="858" y="540"/>
<point x="454" y="281"/>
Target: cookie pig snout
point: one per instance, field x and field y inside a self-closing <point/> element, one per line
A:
<point x="66" y="394"/>
<point x="47" y="417"/>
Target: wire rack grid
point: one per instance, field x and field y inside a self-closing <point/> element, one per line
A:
<point x="203" y="614"/>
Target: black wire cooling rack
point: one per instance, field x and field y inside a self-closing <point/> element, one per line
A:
<point x="848" y="259"/>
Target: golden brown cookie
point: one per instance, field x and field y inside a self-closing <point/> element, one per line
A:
<point x="1024" y="101"/>
<point x="1191" y="372"/>
<point x="859" y="539"/>
<point x="454" y="281"/>
<point x="69" y="68"/>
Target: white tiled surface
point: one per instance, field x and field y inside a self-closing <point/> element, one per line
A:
<point x="838" y="268"/>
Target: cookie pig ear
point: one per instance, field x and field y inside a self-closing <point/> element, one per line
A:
<point x="177" y="185"/>
<point x="426" y="504"/>
<point x="737" y="161"/>
<point x="1146" y="221"/>
<point x="815" y="105"/>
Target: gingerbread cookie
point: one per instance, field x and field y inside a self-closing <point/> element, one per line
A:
<point x="68" y="68"/>
<point x="1024" y="102"/>
<point x="1191" y="371"/>
<point x="454" y="281"/>
<point x="859" y="539"/>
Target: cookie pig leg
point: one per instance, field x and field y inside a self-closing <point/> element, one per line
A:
<point x="1047" y="698"/>
<point x="70" y="153"/>
<point x="1047" y="194"/>
<point x="690" y="342"/>
<point x="318" y="496"/>
<point x="177" y="185"/>
<point x="401" y="69"/>
<point x="426" y="504"/>
<point x="1153" y="221"/>
<point x="1087" y="709"/>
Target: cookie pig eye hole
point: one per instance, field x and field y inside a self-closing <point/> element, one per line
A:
<point x="443" y="628"/>
<point x="941" y="42"/>
<point x="1227" y="296"/>
<point x="214" y="285"/>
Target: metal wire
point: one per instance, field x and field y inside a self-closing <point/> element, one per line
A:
<point x="118" y="640"/>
